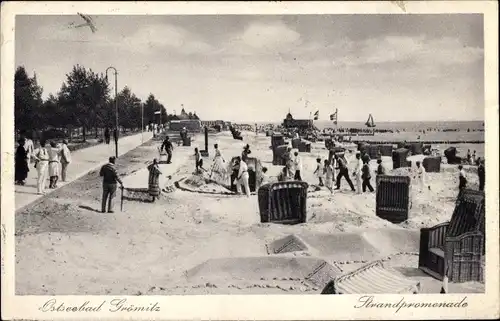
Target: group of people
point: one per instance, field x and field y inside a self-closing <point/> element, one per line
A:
<point x="107" y="135"/>
<point x="51" y="160"/>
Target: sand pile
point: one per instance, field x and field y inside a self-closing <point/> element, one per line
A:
<point x="200" y="183"/>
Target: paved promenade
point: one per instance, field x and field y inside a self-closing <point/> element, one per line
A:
<point x="82" y="162"/>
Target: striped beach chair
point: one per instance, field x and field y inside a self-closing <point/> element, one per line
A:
<point x="283" y="202"/>
<point x="393" y="199"/>
<point x="456" y="246"/>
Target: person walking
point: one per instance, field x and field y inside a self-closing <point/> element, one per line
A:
<point x="109" y="184"/>
<point x="243" y="177"/>
<point x="298" y="167"/>
<point x="343" y="172"/>
<point x="358" y="172"/>
<point x="41" y="157"/>
<point x="115" y="135"/>
<point x="154" y="179"/>
<point x="481" y="174"/>
<point x="54" y="153"/>
<point x="366" y="176"/>
<point x="198" y="161"/>
<point x="21" y="163"/>
<point x="65" y="160"/>
<point x="107" y="135"/>
<point x="167" y="145"/>
<point x="319" y="172"/>
<point x="462" y="179"/>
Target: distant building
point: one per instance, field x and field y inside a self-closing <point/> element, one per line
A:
<point x="289" y="122"/>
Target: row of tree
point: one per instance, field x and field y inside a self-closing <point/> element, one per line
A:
<point x="84" y="101"/>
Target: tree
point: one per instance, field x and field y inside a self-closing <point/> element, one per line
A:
<point x="82" y="96"/>
<point x="151" y="105"/>
<point x="129" y="109"/>
<point x="27" y="101"/>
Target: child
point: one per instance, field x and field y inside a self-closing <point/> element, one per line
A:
<point x="319" y="172"/>
<point x="264" y="179"/>
<point x="462" y="180"/>
<point x="380" y="168"/>
<point x="198" y="161"/>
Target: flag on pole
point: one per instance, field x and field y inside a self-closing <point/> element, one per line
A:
<point x="333" y="117"/>
<point x="158" y="112"/>
<point x="316" y="115"/>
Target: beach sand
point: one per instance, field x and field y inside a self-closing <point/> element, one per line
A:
<point x="193" y="243"/>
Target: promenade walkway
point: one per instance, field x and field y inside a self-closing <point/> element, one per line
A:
<point x="82" y="162"/>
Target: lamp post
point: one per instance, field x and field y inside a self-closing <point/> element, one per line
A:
<point x="116" y="107"/>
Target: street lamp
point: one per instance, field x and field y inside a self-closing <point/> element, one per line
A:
<point x="116" y="107"/>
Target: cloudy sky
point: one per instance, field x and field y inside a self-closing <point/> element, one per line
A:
<point x="242" y="68"/>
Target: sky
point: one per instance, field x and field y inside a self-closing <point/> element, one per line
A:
<point x="258" y="67"/>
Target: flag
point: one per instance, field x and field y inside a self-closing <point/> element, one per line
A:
<point x="158" y="112"/>
<point x="316" y="115"/>
<point x="333" y="117"/>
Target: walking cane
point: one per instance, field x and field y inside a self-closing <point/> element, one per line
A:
<point x="121" y="200"/>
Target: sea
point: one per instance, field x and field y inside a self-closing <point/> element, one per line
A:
<point x="407" y="125"/>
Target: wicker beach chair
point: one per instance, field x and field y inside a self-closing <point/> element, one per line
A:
<point x="432" y="164"/>
<point x="278" y="153"/>
<point x="296" y="143"/>
<point x="456" y="246"/>
<point x="399" y="158"/>
<point x="304" y="146"/>
<point x="283" y="202"/>
<point x="372" y="278"/>
<point x="393" y="200"/>
<point x="277" y="139"/>
<point x="254" y="174"/>
<point x="417" y="148"/>
<point x="373" y="151"/>
<point x="385" y="149"/>
<point x="329" y="143"/>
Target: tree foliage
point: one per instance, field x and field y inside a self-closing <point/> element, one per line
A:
<point x="27" y="101"/>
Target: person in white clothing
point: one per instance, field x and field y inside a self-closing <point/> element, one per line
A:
<point x="41" y="157"/>
<point x="420" y="176"/>
<point x="54" y="154"/>
<point x="242" y="178"/>
<point x="65" y="159"/>
<point x="358" y="173"/>
<point x="319" y="172"/>
<point x="29" y="147"/>
<point x="298" y="167"/>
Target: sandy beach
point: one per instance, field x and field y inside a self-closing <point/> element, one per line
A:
<point x="200" y="243"/>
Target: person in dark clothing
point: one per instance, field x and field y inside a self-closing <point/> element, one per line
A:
<point x="380" y="167"/>
<point x="245" y="153"/>
<point x="343" y="172"/>
<point x="366" y="176"/>
<point x="167" y="145"/>
<point x="481" y="175"/>
<point x="107" y="135"/>
<point x="115" y="135"/>
<point x="462" y="180"/>
<point x="109" y="180"/>
<point x="21" y="163"/>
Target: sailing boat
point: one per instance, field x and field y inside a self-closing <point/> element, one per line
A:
<point x="370" y="123"/>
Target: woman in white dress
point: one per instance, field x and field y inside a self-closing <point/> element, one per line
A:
<point x="218" y="168"/>
<point x="54" y="160"/>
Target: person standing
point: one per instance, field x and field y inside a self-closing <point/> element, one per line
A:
<point x="198" y="161"/>
<point x="469" y="157"/>
<point x="41" y="157"/>
<point x="420" y="176"/>
<point x="167" y="145"/>
<point x="21" y="163"/>
<point x="298" y="167"/>
<point x="115" y="135"/>
<point x="380" y="167"/>
<point x="263" y="179"/>
<point x="366" y="176"/>
<point x="319" y="172"/>
<point x="218" y="167"/>
<point x="462" y="179"/>
<point x="358" y="173"/>
<point x="245" y="153"/>
<point x="65" y="159"/>
<point x="481" y="174"/>
<point x="243" y="177"/>
<point x="109" y="184"/>
<point x="54" y="153"/>
<point x="154" y="179"/>
<point x="29" y="147"/>
<point x="343" y="172"/>
<point x="328" y="170"/>
<point x="107" y="135"/>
